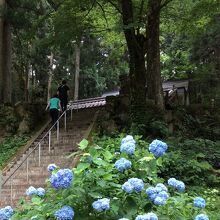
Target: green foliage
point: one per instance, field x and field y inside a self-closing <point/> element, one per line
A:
<point x="158" y="129"/>
<point x="95" y="177"/>
<point x="197" y="121"/>
<point x="191" y="160"/>
<point x="8" y="119"/>
<point x="9" y="147"/>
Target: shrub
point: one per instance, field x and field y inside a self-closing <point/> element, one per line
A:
<point x="97" y="189"/>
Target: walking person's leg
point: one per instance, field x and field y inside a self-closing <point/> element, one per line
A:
<point x="54" y="115"/>
<point x="65" y="102"/>
<point x="62" y="104"/>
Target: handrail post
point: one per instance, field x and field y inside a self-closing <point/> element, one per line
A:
<point x="39" y="154"/>
<point x="27" y="170"/>
<point x="58" y="128"/>
<point x="1" y="179"/>
<point x="11" y="190"/>
<point x="49" y="140"/>
<point x="65" y="120"/>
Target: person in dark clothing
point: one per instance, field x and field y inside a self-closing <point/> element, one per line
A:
<point x="54" y="105"/>
<point x="63" y="95"/>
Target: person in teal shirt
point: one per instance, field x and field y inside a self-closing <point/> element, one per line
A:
<point x="54" y="105"/>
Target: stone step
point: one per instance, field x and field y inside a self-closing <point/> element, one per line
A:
<point x="37" y="175"/>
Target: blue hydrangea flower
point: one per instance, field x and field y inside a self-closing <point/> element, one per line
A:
<point x="40" y="192"/>
<point x="172" y="182"/>
<point x="128" y="148"/>
<point x="201" y="217"/>
<point x="127" y="187"/>
<point x="62" y="179"/>
<point x="179" y="185"/>
<point x="138" y="184"/>
<point x="127" y="139"/>
<point x="6" y="213"/>
<point x="158" y="194"/>
<point x="159" y="200"/>
<point x="123" y="219"/>
<point x="148" y="216"/>
<point x="51" y="167"/>
<point x="122" y="164"/>
<point x="158" y="148"/>
<point x="163" y="195"/>
<point x="101" y="204"/>
<point x="199" y="202"/>
<point x="65" y="213"/>
<point x="31" y="191"/>
<point x="161" y="187"/>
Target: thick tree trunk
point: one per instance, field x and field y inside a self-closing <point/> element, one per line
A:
<point x="135" y="43"/>
<point x="2" y="4"/>
<point x="50" y="77"/>
<point x="217" y="58"/>
<point x="154" y="84"/>
<point x="7" y="86"/>
<point x="77" y="70"/>
<point x="27" y="83"/>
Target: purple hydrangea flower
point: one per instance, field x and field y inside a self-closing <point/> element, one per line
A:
<point x="158" y="148"/>
<point x="65" y="213"/>
<point x="122" y="164"/>
<point x="199" y="202"/>
<point x="101" y="204"/>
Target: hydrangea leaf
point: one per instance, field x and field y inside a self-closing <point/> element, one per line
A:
<point x="107" y="155"/>
<point x="81" y="167"/>
<point x="36" y="200"/>
<point x="95" y="195"/>
<point x="83" y="144"/>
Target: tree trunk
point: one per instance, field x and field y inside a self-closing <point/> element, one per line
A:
<point x="50" y="76"/>
<point x="217" y="58"/>
<point x="137" y="73"/>
<point x="77" y="69"/>
<point x="7" y="86"/>
<point x="154" y="84"/>
<point x="2" y="5"/>
<point x="27" y="83"/>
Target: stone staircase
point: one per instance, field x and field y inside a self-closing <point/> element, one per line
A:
<point x="33" y="172"/>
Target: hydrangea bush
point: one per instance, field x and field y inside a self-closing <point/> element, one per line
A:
<point x="116" y="179"/>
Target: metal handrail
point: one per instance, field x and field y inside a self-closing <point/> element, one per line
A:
<point x="86" y="100"/>
<point x="36" y="146"/>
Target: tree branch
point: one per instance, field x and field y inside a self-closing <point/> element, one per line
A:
<point x="115" y="6"/>
<point x="166" y="2"/>
<point x="106" y="20"/>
